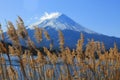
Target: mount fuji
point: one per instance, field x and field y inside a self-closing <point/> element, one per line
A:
<point x="70" y="29"/>
<point x="59" y="21"/>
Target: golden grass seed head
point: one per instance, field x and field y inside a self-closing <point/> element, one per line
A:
<point x="49" y="73"/>
<point x="47" y="35"/>
<point x="38" y="34"/>
<point x="20" y="20"/>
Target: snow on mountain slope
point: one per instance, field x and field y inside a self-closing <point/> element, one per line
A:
<point x="59" y="21"/>
<point x="70" y="29"/>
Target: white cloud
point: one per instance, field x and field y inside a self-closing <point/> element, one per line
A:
<point x="49" y="16"/>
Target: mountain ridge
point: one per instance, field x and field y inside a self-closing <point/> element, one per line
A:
<point x="70" y="29"/>
<point x="59" y="21"/>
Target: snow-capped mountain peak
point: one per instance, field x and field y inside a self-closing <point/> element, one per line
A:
<point x="59" y="21"/>
<point x="70" y="29"/>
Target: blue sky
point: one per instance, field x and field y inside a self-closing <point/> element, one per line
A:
<point x="102" y="16"/>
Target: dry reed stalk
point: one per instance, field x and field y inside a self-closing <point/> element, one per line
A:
<point x="38" y="34"/>
<point x="49" y="55"/>
<point x="61" y="40"/>
<point x="12" y="51"/>
<point x="13" y="74"/>
<point x="51" y="45"/>
<point x="12" y="33"/>
<point x="53" y="59"/>
<point x="40" y="58"/>
<point x="75" y="75"/>
<point x="103" y="47"/>
<point x="80" y="44"/>
<point x="0" y="70"/>
<point x="21" y="29"/>
<point x="31" y="44"/>
<point x="49" y="73"/>
<point x="25" y="58"/>
<point x="64" y="72"/>
<point x="2" y="48"/>
<point x="47" y="36"/>
<point x="69" y="57"/>
<point x="3" y="70"/>
<point x="1" y="34"/>
<point x="4" y="67"/>
<point x="40" y="61"/>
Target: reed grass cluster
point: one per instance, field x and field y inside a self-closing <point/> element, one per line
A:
<point x="92" y="63"/>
